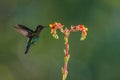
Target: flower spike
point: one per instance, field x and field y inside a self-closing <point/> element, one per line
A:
<point x="66" y="33"/>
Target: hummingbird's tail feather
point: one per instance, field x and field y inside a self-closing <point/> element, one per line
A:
<point x="28" y="45"/>
<point x="27" y="49"/>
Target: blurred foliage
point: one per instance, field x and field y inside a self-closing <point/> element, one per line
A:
<point x="96" y="58"/>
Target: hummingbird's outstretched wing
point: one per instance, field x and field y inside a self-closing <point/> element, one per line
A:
<point x="24" y="30"/>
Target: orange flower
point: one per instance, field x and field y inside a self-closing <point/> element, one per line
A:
<point x="74" y="28"/>
<point x="54" y="27"/>
<point x="53" y="30"/>
<point x="59" y="25"/>
<point x="83" y="30"/>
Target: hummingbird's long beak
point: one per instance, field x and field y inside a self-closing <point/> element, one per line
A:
<point x="46" y="26"/>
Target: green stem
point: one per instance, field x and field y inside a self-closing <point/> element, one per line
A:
<point x="66" y="59"/>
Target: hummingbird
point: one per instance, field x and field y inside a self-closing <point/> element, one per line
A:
<point x="32" y="36"/>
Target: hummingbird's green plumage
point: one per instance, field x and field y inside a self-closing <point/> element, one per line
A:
<point x="32" y="36"/>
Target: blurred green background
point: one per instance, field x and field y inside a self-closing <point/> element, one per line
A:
<point x="96" y="58"/>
